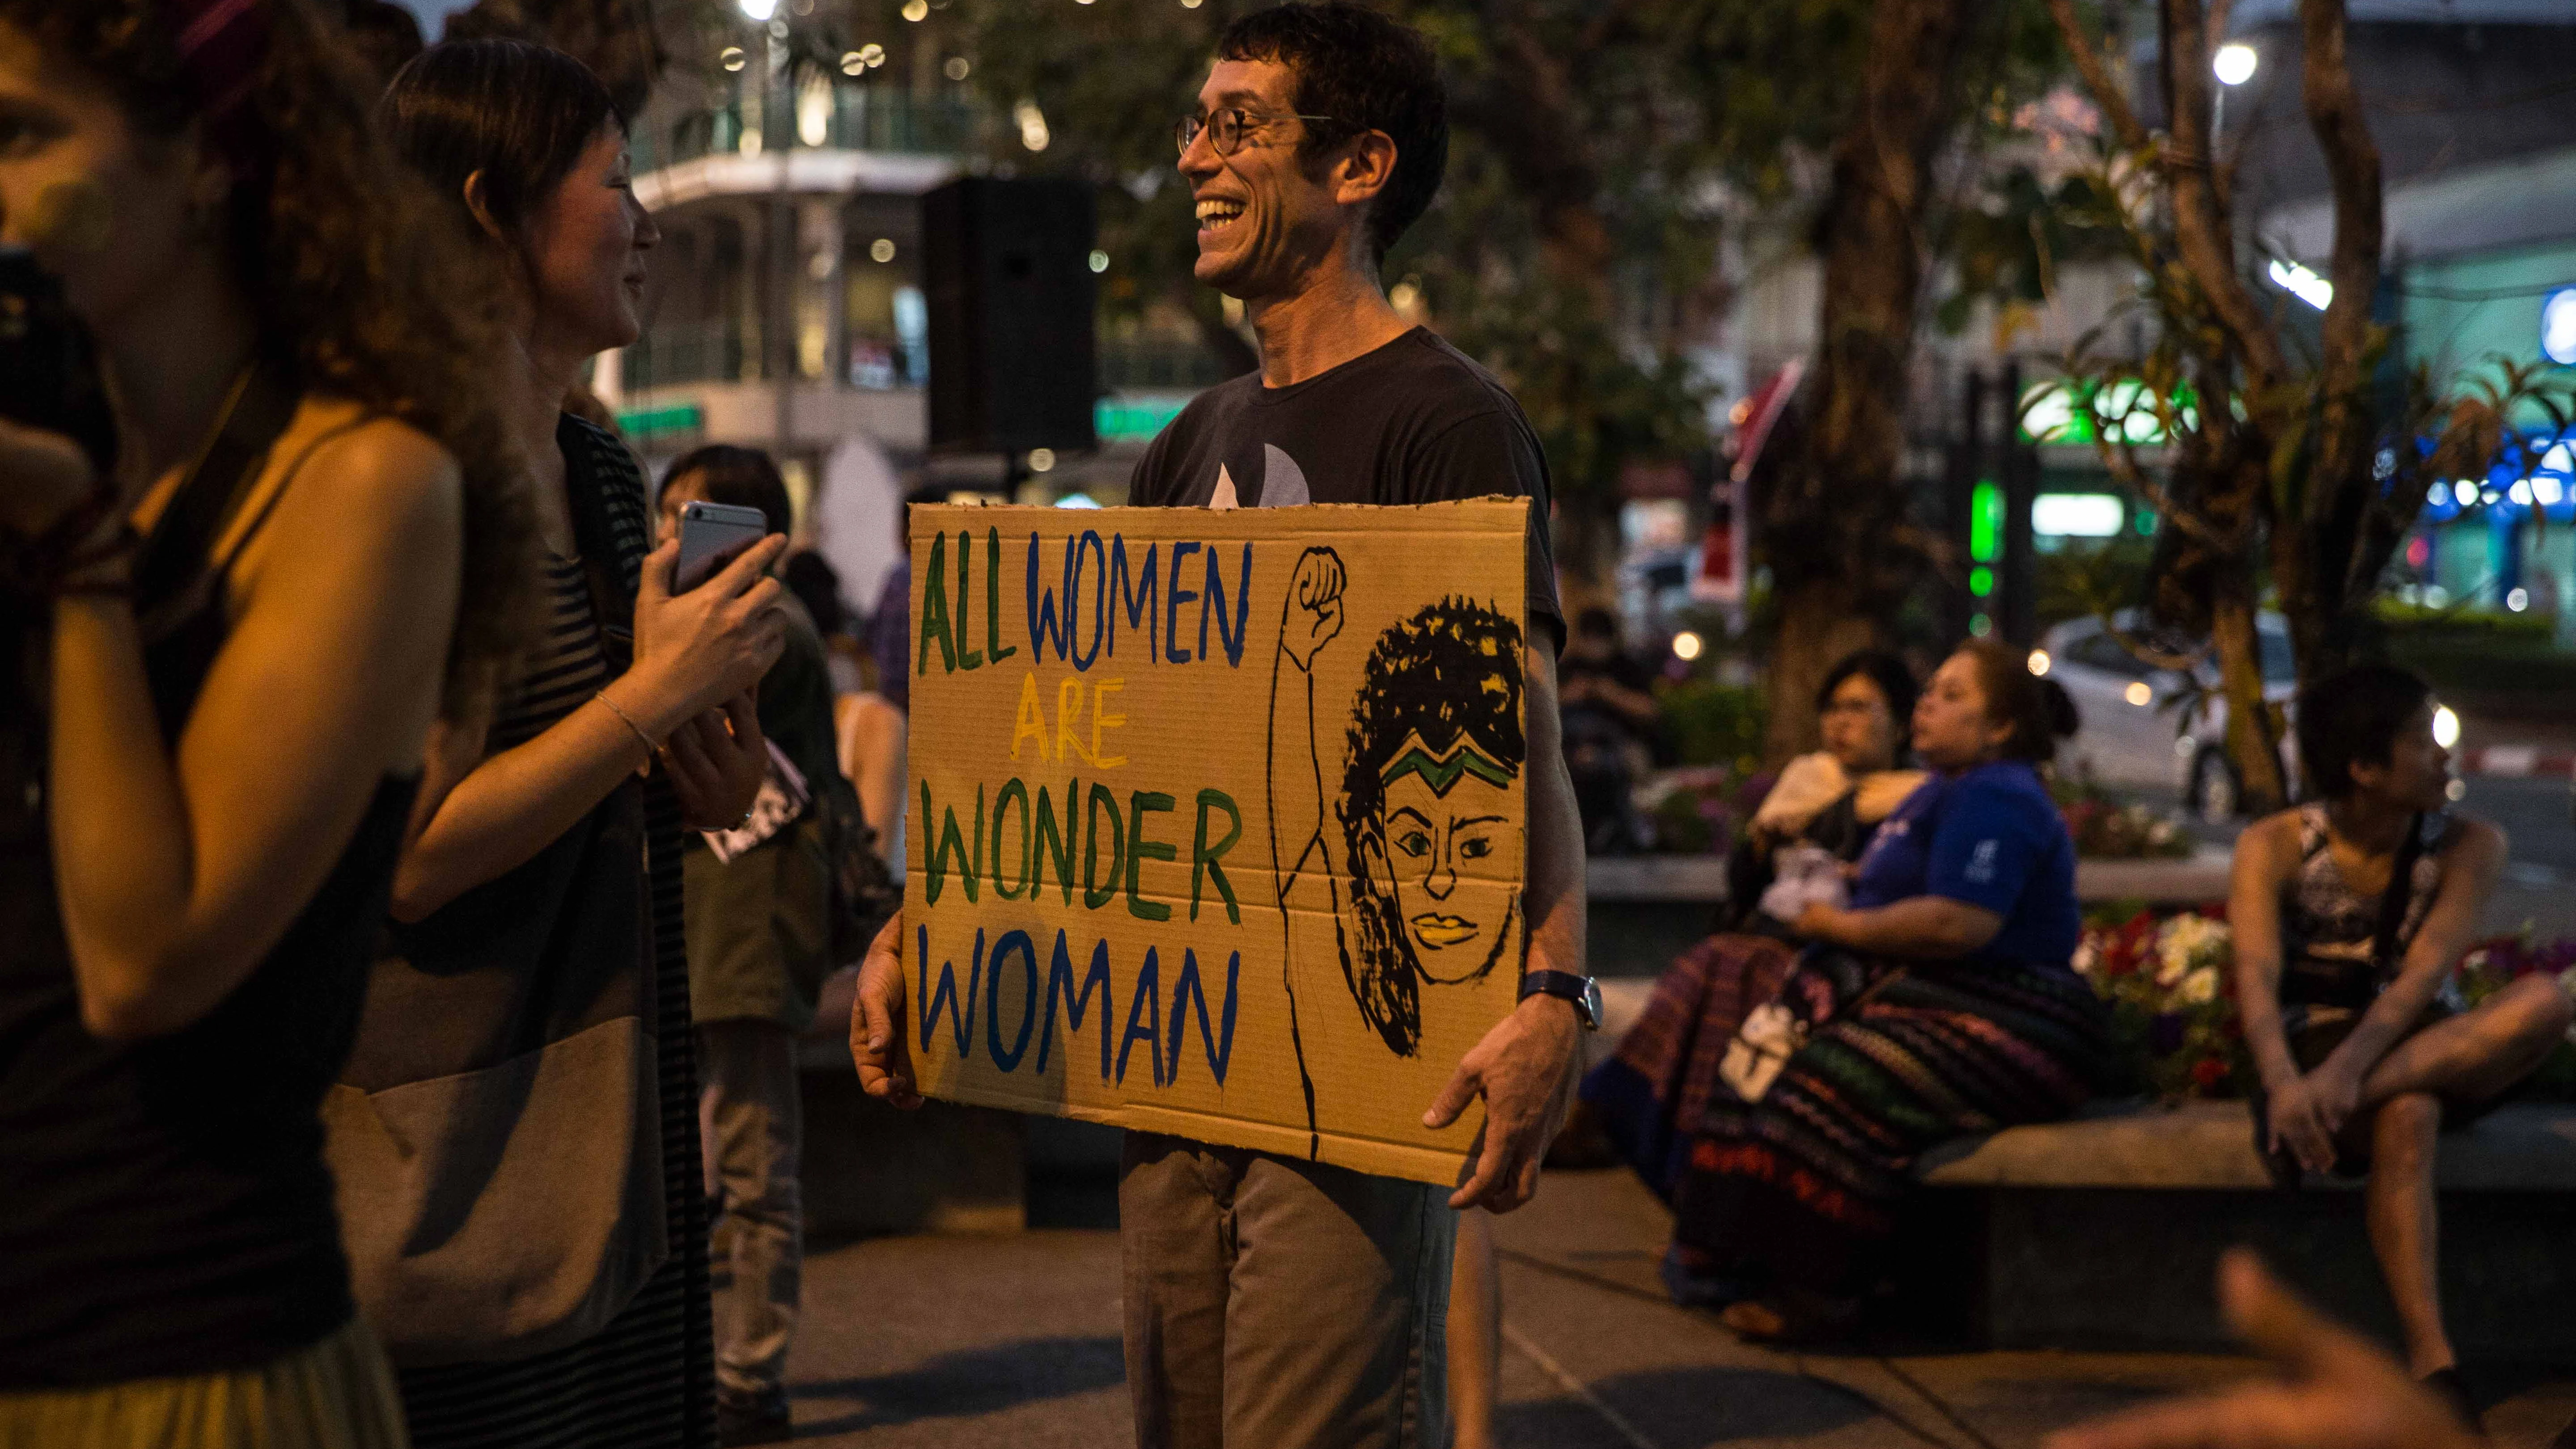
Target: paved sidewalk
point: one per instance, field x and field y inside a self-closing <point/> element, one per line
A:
<point x="917" y="1341"/>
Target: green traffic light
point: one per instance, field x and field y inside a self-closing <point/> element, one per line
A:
<point x="1985" y="521"/>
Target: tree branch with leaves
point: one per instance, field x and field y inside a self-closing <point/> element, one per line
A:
<point x="2310" y="471"/>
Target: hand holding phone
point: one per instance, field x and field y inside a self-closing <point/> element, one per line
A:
<point x="710" y="535"/>
<point x="696" y="647"/>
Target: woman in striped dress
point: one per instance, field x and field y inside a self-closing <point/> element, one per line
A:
<point x="1940" y="1003"/>
<point x="527" y="143"/>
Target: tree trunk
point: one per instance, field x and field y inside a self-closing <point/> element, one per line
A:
<point x="2230" y="456"/>
<point x="1821" y="620"/>
<point x="2326" y="561"/>
<point x="1530" y="111"/>
<point x="2253" y="742"/>
<point x="1532" y="119"/>
<point x="1834" y="509"/>
<point x="2204" y="231"/>
<point x="2273" y="467"/>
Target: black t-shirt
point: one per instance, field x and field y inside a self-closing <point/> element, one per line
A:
<point x="1414" y="421"/>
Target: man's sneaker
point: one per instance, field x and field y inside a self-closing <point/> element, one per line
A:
<point x="757" y="1419"/>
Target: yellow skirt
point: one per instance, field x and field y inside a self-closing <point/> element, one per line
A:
<point x="336" y="1394"/>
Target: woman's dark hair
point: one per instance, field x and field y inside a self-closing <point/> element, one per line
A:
<point x="361" y="286"/>
<point x="817" y="585"/>
<point x="1451" y="674"/>
<point x="2354" y="718"/>
<point x="2039" y="710"/>
<point x="518" y="113"/>
<point x="385" y="35"/>
<point x="1883" y="669"/>
<point x="1367" y="73"/>
<point x="741" y="477"/>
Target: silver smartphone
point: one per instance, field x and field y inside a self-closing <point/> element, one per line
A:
<point x="710" y="535"/>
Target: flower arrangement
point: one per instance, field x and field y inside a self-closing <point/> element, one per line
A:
<point x="2106" y="829"/>
<point x="2171" y="988"/>
<point x="2496" y="963"/>
<point x="1693" y="810"/>
<point x="2170" y="982"/>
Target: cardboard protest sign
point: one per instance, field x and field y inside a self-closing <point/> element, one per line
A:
<point x="1217" y="817"/>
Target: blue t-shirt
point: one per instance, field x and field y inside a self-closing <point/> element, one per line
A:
<point x="1988" y="837"/>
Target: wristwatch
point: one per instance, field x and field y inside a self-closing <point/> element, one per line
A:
<point x="1583" y="991"/>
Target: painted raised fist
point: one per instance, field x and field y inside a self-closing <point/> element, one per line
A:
<point x="1314" y="610"/>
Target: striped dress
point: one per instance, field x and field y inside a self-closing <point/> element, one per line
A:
<point x="647" y="1381"/>
<point x="567" y="666"/>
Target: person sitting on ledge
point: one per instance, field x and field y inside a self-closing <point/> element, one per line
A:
<point x="1939" y="1003"/>
<point x="2350" y="912"/>
<point x="1833" y="798"/>
<point x="1647" y="1099"/>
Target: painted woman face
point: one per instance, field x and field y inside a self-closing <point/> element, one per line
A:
<point x="1449" y="820"/>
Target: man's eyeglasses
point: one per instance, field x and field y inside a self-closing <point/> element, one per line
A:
<point x="1226" y="128"/>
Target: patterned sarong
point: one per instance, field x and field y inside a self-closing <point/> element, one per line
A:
<point x="1650" y="1097"/>
<point x="1801" y="1188"/>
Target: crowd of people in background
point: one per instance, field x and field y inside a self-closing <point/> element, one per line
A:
<point x="412" y="892"/>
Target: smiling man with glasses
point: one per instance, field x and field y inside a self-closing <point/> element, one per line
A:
<point x="1273" y="1300"/>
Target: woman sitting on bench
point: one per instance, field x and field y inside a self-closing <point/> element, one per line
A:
<point x="1939" y="1003"/>
<point x="2350" y="912"/>
<point x="1647" y="1100"/>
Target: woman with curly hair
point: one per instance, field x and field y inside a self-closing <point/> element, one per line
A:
<point x="234" y="610"/>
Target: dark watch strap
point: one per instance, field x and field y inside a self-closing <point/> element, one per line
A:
<point x="1583" y="991"/>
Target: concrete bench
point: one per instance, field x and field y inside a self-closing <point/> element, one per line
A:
<point x="2190" y="881"/>
<point x="1647" y="909"/>
<point x="2103" y="1232"/>
<point x="2209" y="1147"/>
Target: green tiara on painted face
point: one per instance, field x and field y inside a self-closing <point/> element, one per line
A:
<point x="1443" y="771"/>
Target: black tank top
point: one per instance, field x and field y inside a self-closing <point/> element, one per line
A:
<point x="164" y="1208"/>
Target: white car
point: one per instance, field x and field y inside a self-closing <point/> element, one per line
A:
<point x="2141" y="727"/>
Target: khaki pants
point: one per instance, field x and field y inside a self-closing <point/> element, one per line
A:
<point x="753" y="1133"/>
<point x="1278" y="1304"/>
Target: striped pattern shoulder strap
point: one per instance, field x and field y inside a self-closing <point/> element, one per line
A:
<point x="611" y="517"/>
